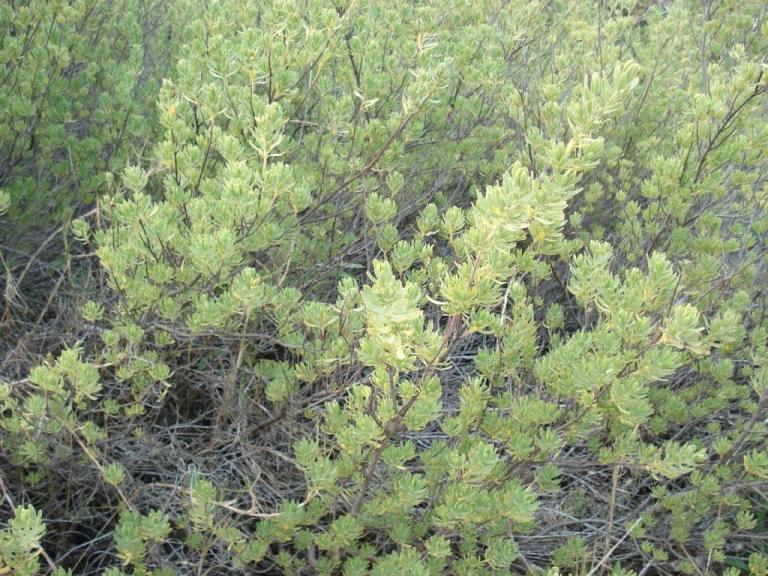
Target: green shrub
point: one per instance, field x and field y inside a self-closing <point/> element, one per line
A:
<point x="75" y="97"/>
<point x="20" y="543"/>
<point x="428" y="289"/>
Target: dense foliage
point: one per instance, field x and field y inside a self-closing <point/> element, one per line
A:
<point x="385" y="287"/>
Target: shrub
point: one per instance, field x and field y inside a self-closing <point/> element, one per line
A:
<point x="411" y="288"/>
<point x="20" y="543"/>
<point x="73" y="98"/>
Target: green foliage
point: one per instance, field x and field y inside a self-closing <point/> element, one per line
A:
<point x="20" y="542"/>
<point x="422" y="288"/>
<point x="75" y="97"/>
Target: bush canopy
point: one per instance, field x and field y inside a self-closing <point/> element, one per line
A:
<point x="384" y="287"/>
